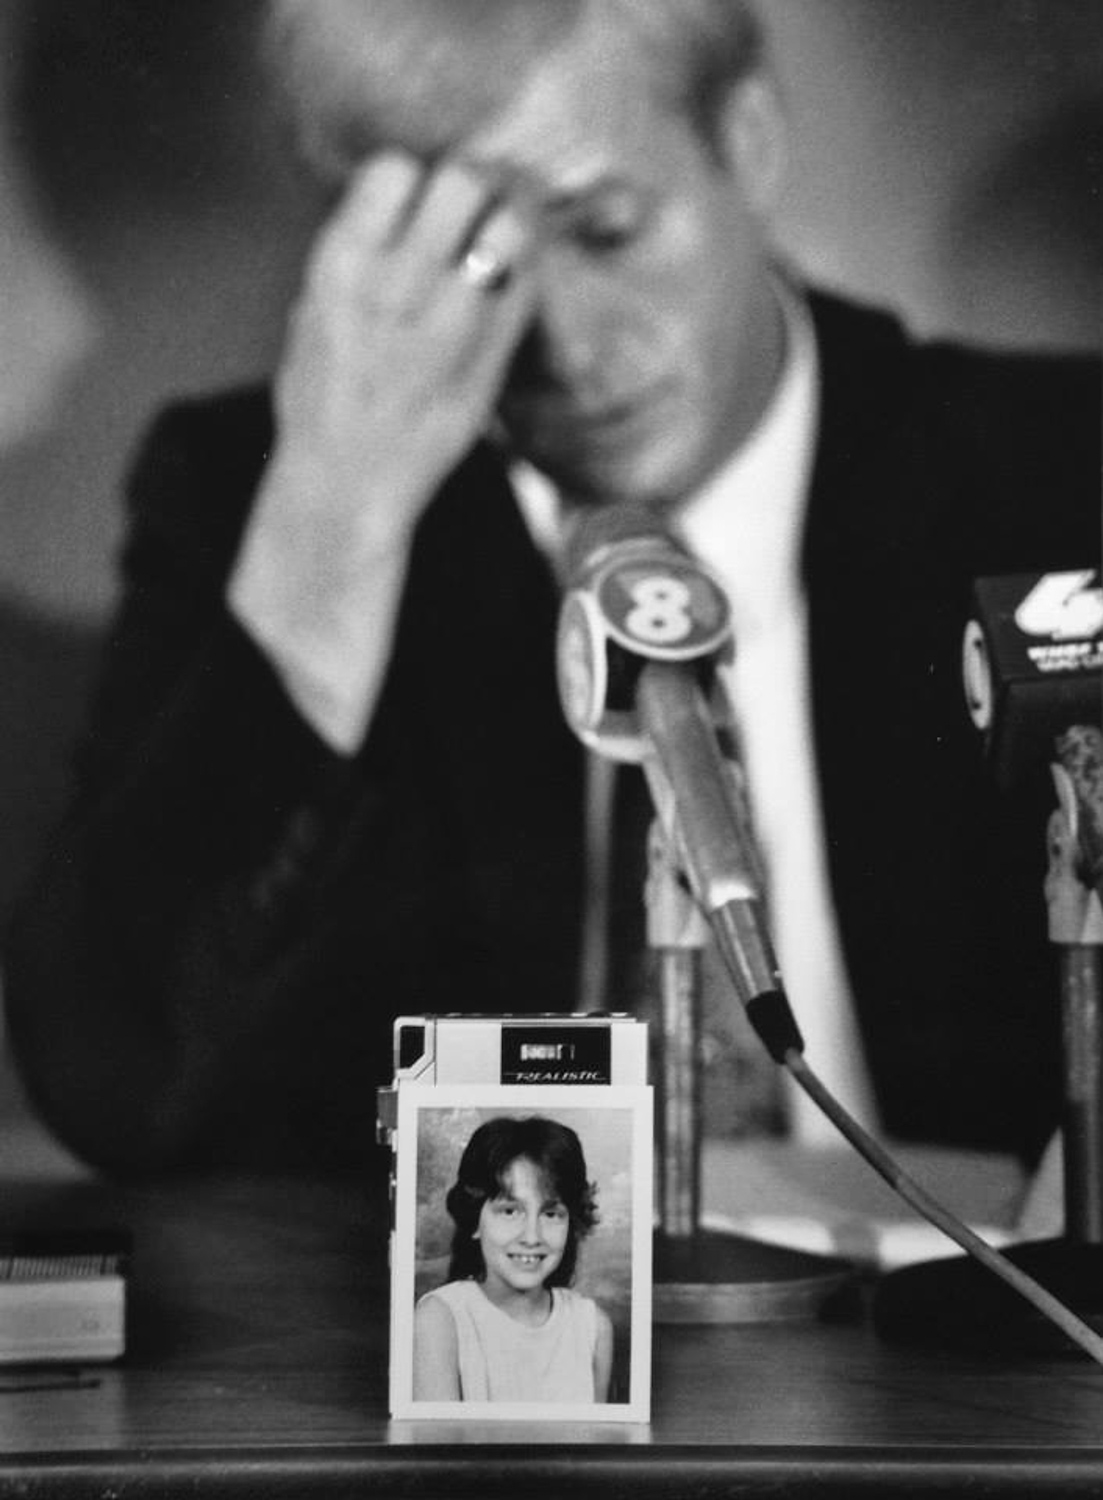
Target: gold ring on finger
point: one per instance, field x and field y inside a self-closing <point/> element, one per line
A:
<point x="485" y="269"/>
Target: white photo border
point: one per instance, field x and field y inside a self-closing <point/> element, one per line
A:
<point x="554" y="1100"/>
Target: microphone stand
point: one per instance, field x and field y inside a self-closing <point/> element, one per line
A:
<point x="1076" y="926"/>
<point x="953" y="1302"/>
<point x="676" y="935"/>
<point x="704" y="1275"/>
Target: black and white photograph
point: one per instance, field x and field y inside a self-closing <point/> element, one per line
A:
<point x="521" y="1261"/>
<point x="551" y="544"/>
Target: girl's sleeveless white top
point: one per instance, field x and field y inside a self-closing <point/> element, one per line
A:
<point x="503" y="1360"/>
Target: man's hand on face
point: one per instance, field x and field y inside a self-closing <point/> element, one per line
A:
<point x="414" y="299"/>
<point x="396" y="353"/>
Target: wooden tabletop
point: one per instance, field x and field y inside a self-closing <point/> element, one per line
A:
<point x="257" y="1364"/>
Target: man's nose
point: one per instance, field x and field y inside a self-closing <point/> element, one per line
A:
<point x="567" y="338"/>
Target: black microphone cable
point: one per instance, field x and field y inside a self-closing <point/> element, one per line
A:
<point x="936" y="1213"/>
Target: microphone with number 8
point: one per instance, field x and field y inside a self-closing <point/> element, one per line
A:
<point x="641" y="630"/>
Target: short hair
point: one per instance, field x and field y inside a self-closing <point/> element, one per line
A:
<point x="555" y="1151"/>
<point x="361" y="75"/>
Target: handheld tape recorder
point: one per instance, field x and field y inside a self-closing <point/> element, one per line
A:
<point x="588" y="1049"/>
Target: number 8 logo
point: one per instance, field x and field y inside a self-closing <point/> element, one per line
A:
<point x="661" y="615"/>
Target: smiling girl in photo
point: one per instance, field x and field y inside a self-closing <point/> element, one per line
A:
<point x="506" y="1326"/>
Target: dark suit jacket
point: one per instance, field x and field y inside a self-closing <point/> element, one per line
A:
<point x="208" y="962"/>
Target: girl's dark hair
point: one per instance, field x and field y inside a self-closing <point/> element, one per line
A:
<point x="556" y="1152"/>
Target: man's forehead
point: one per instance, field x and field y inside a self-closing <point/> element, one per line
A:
<point x="575" y="121"/>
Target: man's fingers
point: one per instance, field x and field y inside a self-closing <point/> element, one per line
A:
<point x="407" y="238"/>
<point x="381" y="198"/>
<point x="500" y="250"/>
<point x="416" y="292"/>
<point x="451" y="206"/>
<point x="372" y="216"/>
<point x="462" y="235"/>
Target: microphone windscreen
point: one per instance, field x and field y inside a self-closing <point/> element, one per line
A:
<point x="591" y="531"/>
<point x="1033" y="664"/>
<point x="633" y="595"/>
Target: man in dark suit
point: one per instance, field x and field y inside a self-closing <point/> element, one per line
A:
<point x="327" y="780"/>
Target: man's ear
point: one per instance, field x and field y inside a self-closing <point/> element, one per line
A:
<point x="757" y="139"/>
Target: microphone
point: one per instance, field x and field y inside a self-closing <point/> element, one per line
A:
<point x="642" y="628"/>
<point x="633" y="595"/>
<point x="1032" y="663"/>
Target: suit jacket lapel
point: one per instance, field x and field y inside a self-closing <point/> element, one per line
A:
<point x="873" y="625"/>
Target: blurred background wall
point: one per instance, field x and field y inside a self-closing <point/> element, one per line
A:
<point x="946" y="160"/>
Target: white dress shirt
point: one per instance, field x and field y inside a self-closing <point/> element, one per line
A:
<point x="747" y="525"/>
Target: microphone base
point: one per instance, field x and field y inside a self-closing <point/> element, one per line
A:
<point x="959" y="1304"/>
<point x="711" y="1277"/>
